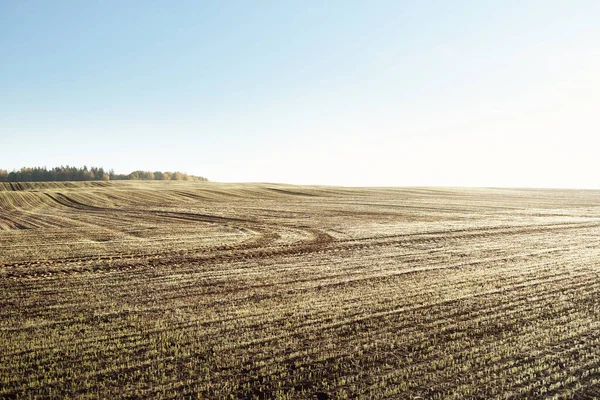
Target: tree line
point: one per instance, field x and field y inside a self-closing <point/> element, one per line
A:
<point x="68" y="173"/>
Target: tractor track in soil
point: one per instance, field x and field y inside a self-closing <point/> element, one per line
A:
<point x="259" y="247"/>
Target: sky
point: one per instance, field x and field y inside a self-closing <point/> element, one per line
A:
<point x="355" y="93"/>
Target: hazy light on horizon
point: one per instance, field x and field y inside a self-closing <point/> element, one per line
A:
<point x="348" y="93"/>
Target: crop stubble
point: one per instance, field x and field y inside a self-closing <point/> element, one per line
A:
<point x="171" y="289"/>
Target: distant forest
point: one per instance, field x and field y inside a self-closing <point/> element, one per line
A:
<point x="67" y="173"/>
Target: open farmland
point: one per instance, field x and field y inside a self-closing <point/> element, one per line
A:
<point x="174" y="289"/>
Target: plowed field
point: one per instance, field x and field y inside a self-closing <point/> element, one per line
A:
<point x="206" y="290"/>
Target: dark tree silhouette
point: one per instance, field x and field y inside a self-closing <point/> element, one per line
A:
<point x="67" y="173"/>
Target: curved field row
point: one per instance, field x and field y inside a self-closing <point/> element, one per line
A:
<point x="35" y="186"/>
<point x="166" y="290"/>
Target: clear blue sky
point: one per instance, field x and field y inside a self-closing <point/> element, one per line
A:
<point x="462" y="93"/>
